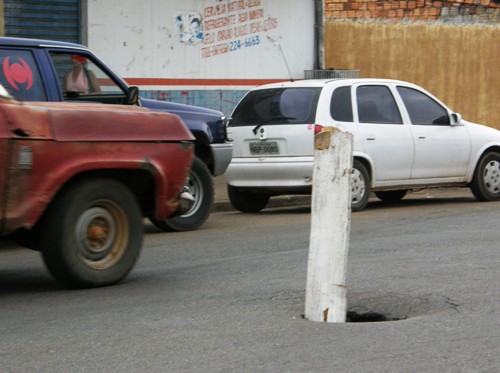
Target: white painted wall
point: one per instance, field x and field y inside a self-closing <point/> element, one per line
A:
<point x="143" y="39"/>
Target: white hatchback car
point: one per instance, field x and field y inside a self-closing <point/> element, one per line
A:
<point x="404" y="138"/>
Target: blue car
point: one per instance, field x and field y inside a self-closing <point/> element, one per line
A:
<point x="44" y="70"/>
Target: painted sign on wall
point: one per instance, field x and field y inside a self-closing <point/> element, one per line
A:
<point x="203" y="43"/>
<point x="235" y="26"/>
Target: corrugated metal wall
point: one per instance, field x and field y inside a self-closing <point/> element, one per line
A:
<point x="456" y="63"/>
<point x="43" y="19"/>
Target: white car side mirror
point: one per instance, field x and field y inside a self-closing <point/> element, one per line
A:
<point x="455" y="119"/>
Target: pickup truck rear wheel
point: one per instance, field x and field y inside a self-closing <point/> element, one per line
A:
<point x="201" y="187"/>
<point x="246" y="201"/>
<point x="92" y="234"/>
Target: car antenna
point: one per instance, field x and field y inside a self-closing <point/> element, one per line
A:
<point x="278" y="45"/>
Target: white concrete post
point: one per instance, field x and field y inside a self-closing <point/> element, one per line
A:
<point x="326" y="293"/>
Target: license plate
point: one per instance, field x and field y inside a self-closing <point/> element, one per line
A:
<point x="263" y="148"/>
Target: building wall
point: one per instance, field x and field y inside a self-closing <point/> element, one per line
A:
<point x="203" y="52"/>
<point x="464" y="11"/>
<point x="448" y="47"/>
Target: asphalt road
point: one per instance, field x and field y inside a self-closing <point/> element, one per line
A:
<point x="230" y="298"/>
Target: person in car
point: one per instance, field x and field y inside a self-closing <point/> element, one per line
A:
<point x="80" y="79"/>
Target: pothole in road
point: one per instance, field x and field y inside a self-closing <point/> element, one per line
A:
<point x="364" y="308"/>
<point x="353" y="316"/>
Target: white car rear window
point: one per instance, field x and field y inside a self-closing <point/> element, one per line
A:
<point x="277" y="106"/>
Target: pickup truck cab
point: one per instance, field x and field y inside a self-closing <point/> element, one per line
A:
<point x="40" y="70"/>
<point x="76" y="181"/>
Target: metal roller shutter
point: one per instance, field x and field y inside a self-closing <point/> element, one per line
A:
<point x="43" y="19"/>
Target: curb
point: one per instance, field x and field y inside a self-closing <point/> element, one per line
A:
<point x="278" y="201"/>
<point x="305" y="200"/>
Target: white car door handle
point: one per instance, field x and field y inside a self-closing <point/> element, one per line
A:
<point x="370" y="138"/>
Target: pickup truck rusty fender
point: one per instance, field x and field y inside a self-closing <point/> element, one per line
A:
<point x="52" y="143"/>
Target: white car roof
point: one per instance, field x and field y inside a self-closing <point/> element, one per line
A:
<point x="325" y="82"/>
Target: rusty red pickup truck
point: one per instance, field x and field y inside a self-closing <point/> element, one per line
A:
<point x="76" y="181"/>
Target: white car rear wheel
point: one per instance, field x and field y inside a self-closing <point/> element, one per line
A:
<point x="246" y="201"/>
<point x="391" y="195"/>
<point x="360" y="186"/>
<point x="486" y="183"/>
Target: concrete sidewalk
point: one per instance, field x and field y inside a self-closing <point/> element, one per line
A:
<point x="221" y="199"/>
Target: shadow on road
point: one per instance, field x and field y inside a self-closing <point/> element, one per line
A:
<point x="26" y="280"/>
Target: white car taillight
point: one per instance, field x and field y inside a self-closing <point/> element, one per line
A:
<point x="317" y="129"/>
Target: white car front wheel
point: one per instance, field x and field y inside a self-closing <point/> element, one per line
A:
<point x="486" y="182"/>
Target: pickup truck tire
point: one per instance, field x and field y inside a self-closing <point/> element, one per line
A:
<point x="92" y="234"/>
<point x="201" y="186"/>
